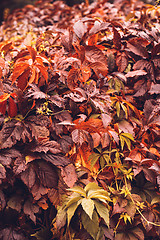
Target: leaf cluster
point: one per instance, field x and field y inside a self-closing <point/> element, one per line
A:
<point x="79" y="111"/>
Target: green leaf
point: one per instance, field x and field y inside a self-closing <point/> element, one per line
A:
<point x="93" y="158"/>
<point x="70" y="211"/>
<point x="106" y="158"/>
<point x="43" y="234"/>
<point x="91" y="186"/>
<point x="102" y="211"/>
<point x="102" y="162"/>
<point x="118" y="108"/>
<point x="72" y="200"/>
<point x="102" y="192"/>
<point x="128" y="135"/>
<point x="155" y="200"/>
<point x="88" y="206"/>
<point x="122" y="141"/>
<point x="101" y="197"/>
<point x="92" y="226"/>
<point x="79" y="190"/>
<point x="125" y="138"/>
<point x="125" y="110"/>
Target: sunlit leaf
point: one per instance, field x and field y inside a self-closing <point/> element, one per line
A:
<point x="88" y="206"/>
<point x="102" y="211"/>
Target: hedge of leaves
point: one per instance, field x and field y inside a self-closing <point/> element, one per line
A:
<point x="80" y="123"/>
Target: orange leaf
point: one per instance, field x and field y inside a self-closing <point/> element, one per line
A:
<point x="4" y="97"/>
<point x="33" y="75"/>
<point x="92" y="125"/>
<point x="3" y="102"/>
<point x="82" y="158"/>
<point x="6" y="47"/>
<point x="43" y="71"/>
<point x="18" y="71"/>
<point x="93" y="40"/>
<point x="42" y="203"/>
<point x="32" y="52"/>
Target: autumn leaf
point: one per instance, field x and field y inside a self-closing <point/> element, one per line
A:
<point x="31" y="68"/>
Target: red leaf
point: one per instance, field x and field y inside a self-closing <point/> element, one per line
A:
<point x="116" y="39"/>
<point x="6" y="47"/>
<point x="0" y="73"/>
<point x="43" y="71"/>
<point x="23" y="80"/>
<point x="19" y="69"/>
<point x="32" y="52"/>
<point x="12" y="108"/>
<point x="33" y="75"/>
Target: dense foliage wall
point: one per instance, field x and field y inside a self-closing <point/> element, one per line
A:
<point x="79" y="122"/>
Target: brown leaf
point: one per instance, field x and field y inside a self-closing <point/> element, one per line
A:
<point x="30" y="209"/>
<point x="135" y="47"/>
<point x="9" y="233"/>
<point x="38" y="190"/>
<point x="121" y="61"/>
<point x="155" y="50"/>
<point x="54" y="197"/>
<point x="101" y="26"/>
<point x="47" y="174"/>
<point x="2" y="172"/>
<point x="140" y="87"/>
<point x="55" y="159"/>
<point x="99" y="67"/>
<point x="79" y="29"/>
<point x="15" y="202"/>
<point x="29" y="176"/>
<point x="106" y="119"/>
<point x="2" y="200"/>
<point x="46" y="146"/>
<point x="72" y="78"/>
<point x="136" y="73"/>
<point x="155" y="89"/>
<point x="69" y="175"/>
<point x="94" y="54"/>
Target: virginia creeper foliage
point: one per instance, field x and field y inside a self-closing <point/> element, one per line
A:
<point x="79" y="121"/>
